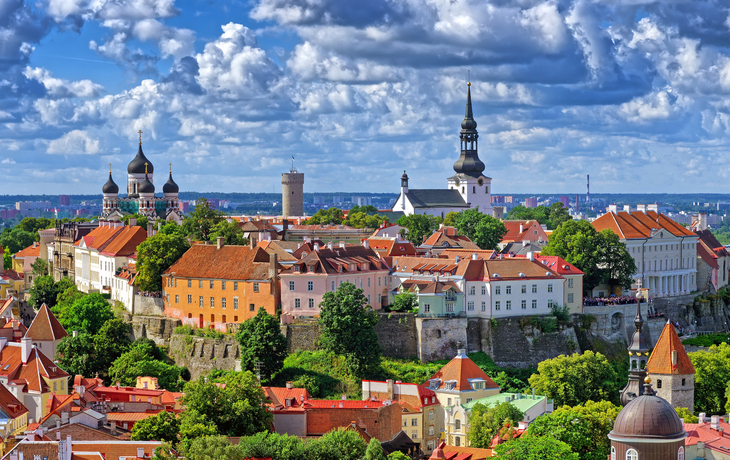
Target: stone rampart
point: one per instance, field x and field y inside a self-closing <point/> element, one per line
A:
<point x="158" y="329"/>
<point x="301" y="335"/>
<point x="148" y="306"/>
<point x="201" y="355"/>
<point x="439" y="338"/>
<point x="398" y="335"/>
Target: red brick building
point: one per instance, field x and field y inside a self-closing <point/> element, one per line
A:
<point x="379" y="419"/>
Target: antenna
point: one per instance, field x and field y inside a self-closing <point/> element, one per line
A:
<point x="468" y="76"/>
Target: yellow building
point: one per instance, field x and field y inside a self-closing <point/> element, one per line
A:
<point x="14" y="419"/>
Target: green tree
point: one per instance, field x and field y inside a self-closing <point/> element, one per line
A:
<point x="363" y="220"/>
<point x="557" y="215"/>
<point x="450" y="219"/>
<point x="194" y="425"/>
<point x="65" y="299"/>
<point x="572" y="380"/>
<point x="261" y="341"/>
<point x="578" y="243"/>
<point x="616" y="264"/>
<point x="7" y="259"/>
<point x="688" y="416"/>
<point x="535" y="448"/>
<point x="374" y="451"/>
<point x="398" y="455"/>
<point x="202" y="221"/>
<point x="712" y="374"/>
<point x="230" y="231"/>
<point x="339" y="444"/>
<point x="88" y="314"/>
<point x="486" y="421"/>
<point x="111" y="342"/>
<point x="43" y="291"/>
<point x="211" y="448"/>
<point x="273" y="445"/>
<point x="484" y="230"/>
<point x="39" y="267"/>
<point x="155" y="255"/>
<point x="77" y="355"/>
<point x="16" y="239"/>
<point x="237" y="408"/>
<point x="405" y="302"/>
<point x="347" y="327"/>
<point x="142" y="221"/>
<point x="327" y="216"/>
<point x="33" y="224"/>
<point x="141" y="360"/>
<point x="171" y="227"/>
<point x="161" y="427"/>
<point x="419" y="226"/>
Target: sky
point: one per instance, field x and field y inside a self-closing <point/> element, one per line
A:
<point x="632" y="92"/>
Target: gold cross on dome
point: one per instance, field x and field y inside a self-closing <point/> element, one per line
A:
<point x="170" y="168"/>
<point x="110" y="168"/>
<point x="140" y="136"/>
<point x="145" y="167"/>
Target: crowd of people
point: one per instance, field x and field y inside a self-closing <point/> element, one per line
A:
<point x="613" y="300"/>
<point x="150" y="294"/>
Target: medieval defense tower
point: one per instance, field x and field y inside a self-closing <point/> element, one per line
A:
<point x="292" y="193"/>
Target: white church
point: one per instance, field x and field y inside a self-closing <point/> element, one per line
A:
<point x="467" y="189"/>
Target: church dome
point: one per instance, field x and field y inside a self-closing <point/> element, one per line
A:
<point x="139" y="163"/>
<point x="146" y="186"/>
<point x="170" y="186"/>
<point x="648" y="416"/>
<point x="110" y="186"/>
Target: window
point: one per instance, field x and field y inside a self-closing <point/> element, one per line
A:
<point x="534" y="303"/>
<point x="449" y="307"/>
<point x="484" y="306"/>
<point x="613" y="453"/>
<point x="496" y="305"/>
<point x="235" y="285"/>
<point x="484" y="290"/>
<point x="414" y="422"/>
<point x="470" y="306"/>
<point x="368" y="282"/>
<point x="430" y="417"/>
<point x="570" y="282"/>
<point x="200" y="301"/>
<point x="291" y="285"/>
<point x="550" y="288"/>
<point x="631" y="454"/>
<point x="212" y="284"/>
<point x="168" y="298"/>
<point x="212" y="302"/>
<point x="380" y="280"/>
<point x="680" y="453"/>
<point x="550" y="303"/>
<point x="534" y="288"/>
<point x="524" y="304"/>
<point x="190" y="298"/>
<point x="448" y="401"/>
<point x="523" y="289"/>
<point x="508" y="289"/>
<point x="497" y="290"/>
<point x="255" y="287"/>
<point x="508" y="305"/>
<point x="430" y="433"/>
<point x="223" y="285"/>
<point x="457" y="441"/>
<point x="251" y="307"/>
<point x="405" y="422"/>
<point x="223" y="302"/>
<point x="200" y="284"/>
<point x="472" y="290"/>
<point x="311" y="303"/>
<point x="570" y="297"/>
<point x="684" y="381"/>
<point x="235" y="303"/>
<point x="310" y="285"/>
<point x="427" y="308"/>
<point x="190" y="283"/>
<point x="478" y="386"/>
<point x="297" y="303"/>
<point x="177" y="298"/>
<point x="659" y="383"/>
<point x="468" y="400"/>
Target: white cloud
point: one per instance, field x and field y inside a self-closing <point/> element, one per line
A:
<point x="74" y="143"/>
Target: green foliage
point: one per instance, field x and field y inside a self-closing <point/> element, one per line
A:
<point x="77" y="355"/>
<point x="450" y="219"/>
<point x="161" y="427"/>
<point x="584" y="428"/>
<point x="89" y="354"/>
<point x="368" y="209"/>
<point x="16" y="239"/>
<point x="398" y="455"/>
<point x="326" y="216"/>
<point x="562" y="314"/>
<point x="39" y="267"/>
<point x="535" y="448"/>
<point x="142" y="221"/>
<point x="712" y="372"/>
<point x="194" y="425"/>
<point x="419" y="226"/>
<point x="44" y="290"/>
<point x="171" y="227"/>
<point x="552" y="216"/>
<point x="363" y="220"/>
<point x="272" y="445"/>
<point x="111" y="342"/>
<point x="211" y="448"/>
<point x="230" y="231"/>
<point x="202" y="221"/>
<point x="339" y="444"/>
<point x="405" y="302"/>
<point x="237" y="408"/>
<point x="484" y="230"/>
<point x="155" y="255"/>
<point x="65" y="299"/>
<point x="33" y="224"/>
<point x="87" y="314"/>
<point x="572" y="380"/>
<point x="486" y="422"/>
<point x="374" y="451"/>
<point x="347" y="327"/>
<point x="261" y="341"/>
<point x="708" y="340"/>
<point x="686" y="415"/>
<point x="7" y="259"/>
<point x="323" y="374"/>
<point x="617" y="265"/>
<point x="144" y="358"/>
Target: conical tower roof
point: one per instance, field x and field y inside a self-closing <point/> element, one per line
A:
<point x="170" y="186"/>
<point x="661" y="361"/>
<point x="469" y="163"/>
<point x="469" y="124"/>
<point x="45" y="326"/>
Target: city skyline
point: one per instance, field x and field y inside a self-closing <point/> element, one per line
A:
<point x="624" y="91"/>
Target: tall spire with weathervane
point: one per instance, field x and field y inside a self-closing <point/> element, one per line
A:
<point x="638" y="356"/>
<point x="469" y="163"/>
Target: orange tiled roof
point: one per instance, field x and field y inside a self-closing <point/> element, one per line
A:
<point x="34" y="250"/>
<point x="338" y="404"/>
<point x="125" y="242"/>
<point x="45" y="326"/>
<point x="558" y="265"/>
<point x="31" y="373"/>
<point x="467" y="254"/>
<point x="513" y="230"/>
<point x="100" y="237"/>
<point x="440" y="239"/>
<point x="660" y="361"/>
<point x="10" y="404"/>
<point x="461" y="369"/>
<point x="638" y="224"/>
<point x="129" y="416"/>
<point x="228" y="263"/>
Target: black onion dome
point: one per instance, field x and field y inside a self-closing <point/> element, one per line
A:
<point x="170" y="186"/>
<point x="137" y="165"/>
<point x="404" y="176"/>
<point x="110" y="186"/>
<point x="469" y="123"/>
<point x="146" y="186"/>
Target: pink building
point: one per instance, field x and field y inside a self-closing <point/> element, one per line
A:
<point x="566" y="201"/>
<point x="531" y="202"/>
<point x="325" y="269"/>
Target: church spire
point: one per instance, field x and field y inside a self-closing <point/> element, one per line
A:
<point x="469" y="163"/>
<point x="638" y="356"/>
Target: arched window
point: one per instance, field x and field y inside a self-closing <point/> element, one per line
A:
<point x="613" y="453"/>
<point x="680" y="453"/>
<point x="631" y="454"/>
<point x="457" y="425"/>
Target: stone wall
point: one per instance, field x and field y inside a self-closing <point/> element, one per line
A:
<point x="158" y="329"/>
<point x="201" y="355"/>
<point x="398" y="335"/>
<point x="439" y="338"/>
<point x="148" y="306"/>
<point x="301" y="335"/>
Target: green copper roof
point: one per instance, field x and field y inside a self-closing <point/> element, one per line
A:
<point x="523" y="404"/>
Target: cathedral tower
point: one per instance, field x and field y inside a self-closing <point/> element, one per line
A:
<point x="139" y="168"/>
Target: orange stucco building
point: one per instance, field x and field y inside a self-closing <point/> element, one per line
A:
<point x="216" y="285"/>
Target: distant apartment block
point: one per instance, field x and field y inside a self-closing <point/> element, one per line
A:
<point x="531" y="202"/>
<point x="26" y="205"/>
<point x="64" y="200"/>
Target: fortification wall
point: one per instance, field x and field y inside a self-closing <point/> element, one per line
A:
<point x="202" y="354"/>
<point x="148" y="306"/>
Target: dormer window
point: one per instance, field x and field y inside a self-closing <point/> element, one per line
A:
<point x="296" y="268"/>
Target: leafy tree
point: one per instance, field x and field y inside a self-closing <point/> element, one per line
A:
<point x="230" y="231"/>
<point x="143" y="359"/>
<point x="210" y="448"/>
<point x="366" y="209"/>
<point x="171" y="227"/>
<point x="557" y="215"/>
<point x="374" y="451"/>
<point x="405" y="302"/>
<point x="16" y="239"/>
<point x="326" y="216"/>
<point x="202" y="221"/>
<point x="572" y="380"/>
<point x="539" y="213"/>
<point x="142" y="221"/>
<point x="77" y="355"/>
<point x="535" y="448"/>
<point x="39" y="267"/>
<point x="486" y="422"/>
<point x="615" y="262"/>
<point x="65" y="299"/>
<point x="273" y="445"/>
<point x="7" y="259"/>
<point x="339" y="444"/>
<point x="419" y="226"/>
<point x="712" y="374"/>
<point x="362" y="220"/>
<point x="688" y="416"/>
<point x="450" y="219"/>
<point x="237" y="408"/>
<point x="155" y="255"/>
<point x="398" y="455"/>
<point x="33" y="224"/>
<point x="347" y="327"/>
<point x="261" y="341"/>
<point x="484" y="230"/>
<point x="161" y="427"/>
<point x="42" y="292"/>
<point x="111" y="342"/>
<point x="194" y="425"/>
<point x="578" y="243"/>
<point x="88" y="314"/>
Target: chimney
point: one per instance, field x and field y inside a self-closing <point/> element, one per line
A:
<point x="389" y="382"/>
<point x="58" y="434"/>
<point x="674" y="358"/>
<point x="68" y="454"/>
<point x="75" y="333"/>
<point x="113" y="430"/>
<point x="627" y="208"/>
<point x="316" y="247"/>
<point x="715" y="422"/>
<point x="140" y="452"/>
<point x="701" y="417"/>
<point x="641" y="208"/>
<point x="366" y="244"/>
<point x="342" y="244"/>
<point x="219" y="242"/>
<point x="329" y="245"/>
<point x="26" y="346"/>
<point x="525" y="243"/>
<point x="531" y="256"/>
<point x="522" y="228"/>
<point x="344" y="397"/>
<point x="289" y="385"/>
<point x="612" y="208"/>
<point x="474" y="256"/>
<point x="58" y="425"/>
<point x="150" y="229"/>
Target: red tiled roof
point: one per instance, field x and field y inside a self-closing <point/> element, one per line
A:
<point x="512" y="267"/>
<point x="441" y="239"/>
<point x="228" y="263"/>
<point x="34" y="250"/>
<point x="10" y="404"/>
<point x="513" y="230"/>
<point x="32" y="373"/>
<point x="638" y="224"/>
<point x="467" y="254"/>
<point x="338" y="404"/>
<point x="559" y="265"/>
<point x="45" y="326"/>
<point x="707" y="255"/>
<point x="391" y="247"/>
<point x="461" y="369"/>
<point x="130" y="416"/>
<point x="660" y="361"/>
<point x="100" y="237"/>
<point x="703" y="432"/>
<point x="13" y="275"/>
<point x="327" y="260"/>
<point x="125" y="242"/>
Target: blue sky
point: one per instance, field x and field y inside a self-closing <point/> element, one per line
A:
<point x="632" y="92"/>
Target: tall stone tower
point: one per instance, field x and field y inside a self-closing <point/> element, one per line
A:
<point x="671" y="369"/>
<point x="292" y="193"/>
